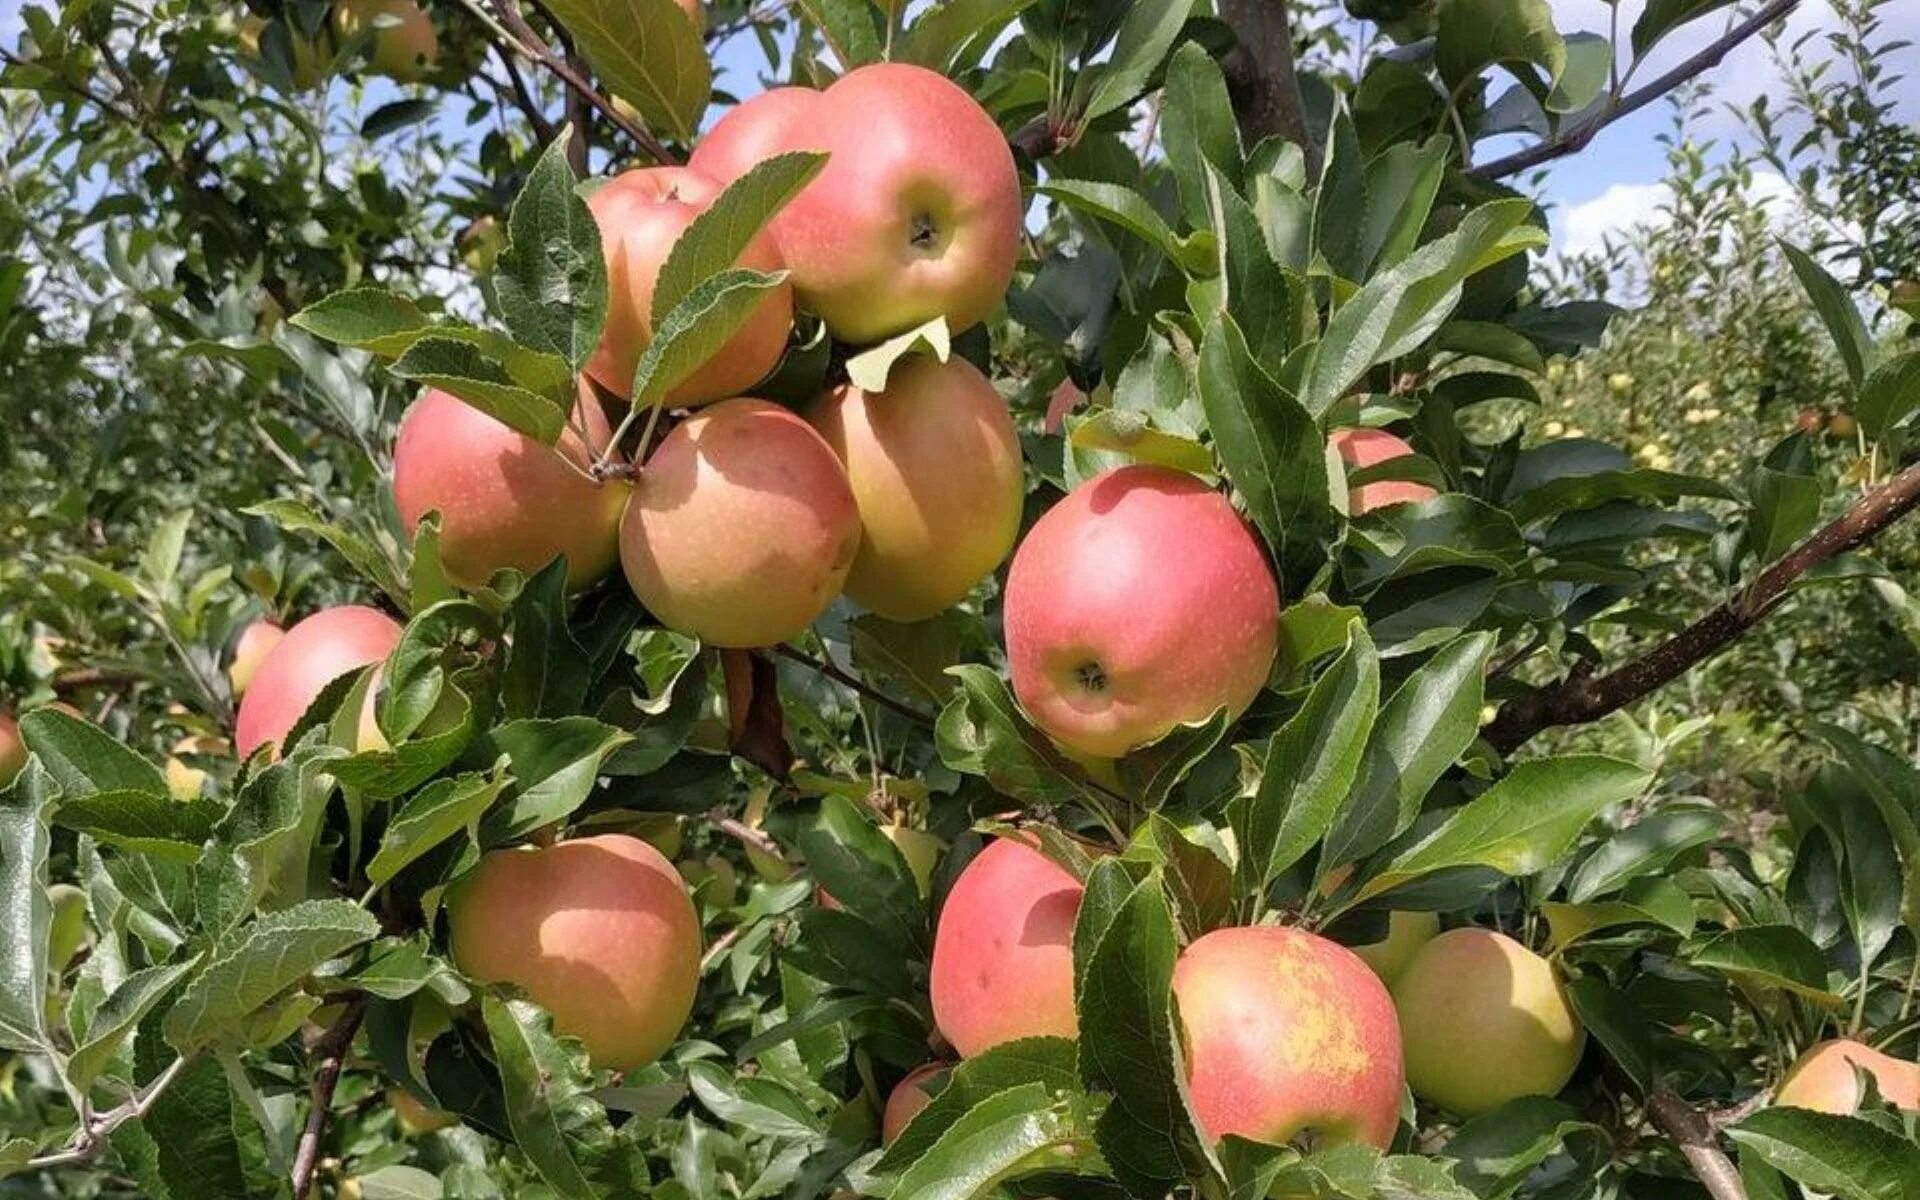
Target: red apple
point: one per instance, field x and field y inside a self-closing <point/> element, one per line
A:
<point x="908" y="1097"/>
<point x="249" y="651"/>
<point x="641" y="214"/>
<point x="1369" y="447"/>
<point x="1003" y="951"/>
<point x="1286" y="1033"/>
<point x="1138" y="603"/>
<point x="13" y="750"/>
<point x="1826" y="1079"/>
<point x="598" y="931"/>
<point x="315" y="652"/>
<point x="935" y="465"/>
<point x="504" y="499"/>
<point x="916" y="214"/>
<point x="742" y="526"/>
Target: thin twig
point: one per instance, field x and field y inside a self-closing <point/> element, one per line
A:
<point x="331" y="1050"/>
<point x="100" y="1126"/>
<point x="1694" y="1134"/>
<point x="855" y="684"/>
<point x="746" y="834"/>
<point x="720" y="946"/>
<point x="530" y="46"/>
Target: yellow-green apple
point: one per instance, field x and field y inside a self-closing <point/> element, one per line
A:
<point x="598" y="931"/>
<point x="641" y="214"/>
<point x="908" y="1097"/>
<point x="314" y="653"/>
<point x="1485" y="1021"/>
<point x="742" y="526"/>
<point x="1139" y="602"/>
<point x="249" y="651"/>
<point x="1003" y="950"/>
<point x="916" y="214"/>
<point x="67" y="928"/>
<point x="403" y="46"/>
<point x="1287" y="1033"/>
<point x="13" y="750"/>
<point x="310" y="55"/>
<point x="1826" y="1078"/>
<point x="1406" y="933"/>
<point x="1368" y="447"/>
<point x="935" y="465"/>
<point x="504" y="499"/>
<point x="716" y="874"/>
<point x="414" y="1117"/>
<point x="480" y="244"/>
<point x="184" y="780"/>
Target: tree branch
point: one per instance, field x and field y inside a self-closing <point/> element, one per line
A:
<point x="100" y="1126"/>
<point x="332" y="1051"/>
<point x="1574" y="140"/>
<point x="1265" y="79"/>
<point x="1578" y="700"/>
<point x="1694" y="1134"/>
<point x="522" y="40"/>
<point x="855" y="684"/>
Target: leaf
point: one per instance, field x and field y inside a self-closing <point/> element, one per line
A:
<point x="1661" y="17"/>
<point x="758" y="1105"/>
<point x="294" y="517"/>
<point x="398" y="1181"/>
<point x="1836" y="311"/>
<point x="870" y="368"/>
<point x="119" y="1015"/>
<point x="867" y="874"/>
<point x="1496" y="1151"/>
<point x="1643" y="849"/>
<point x="551" y="280"/>
<point x="913" y="654"/>
<point x="266" y="957"/>
<point x="1522" y="823"/>
<point x="1889" y="395"/>
<point x="1647" y="901"/>
<point x="463" y="371"/>
<point x="1198" y="129"/>
<point x="981" y="732"/>
<point x="1020" y="1131"/>
<point x="1046" y="1062"/>
<point x="1119" y="205"/>
<point x="1477" y="34"/>
<point x="430" y="816"/>
<point x="646" y="52"/>
<point x="367" y="318"/>
<point x="942" y="32"/>
<point x="548" y="1102"/>
<point x="847" y="28"/>
<point x="698" y="328"/>
<point x="1589" y="65"/>
<point x="396" y="115"/>
<point x="1775" y="956"/>
<point x="1895" y="788"/>
<point x="1844" y="1157"/>
<point x="555" y="765"/>
<point x="1872" y="891"/>
<point x="715" y="239"/>
<point x="83" y="759"/>
<point x="1146" y="34"/>
<point x="161" y="561"/>
<point x="141" y="822"/>
<point x="25" y="914"/>
<point x="1122" y="431"/>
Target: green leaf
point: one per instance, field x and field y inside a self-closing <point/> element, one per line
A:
<point x="1589" y="67"/>
<point x="869" y="369"/>
<point x="1266" y="300"/>
<point x="1836" y="311"/>
<point x="554" y="763"/>
<point x="914" y="655"/>
<point x="263" y="959"/>
<point x="1517" y="34"/>
<point x="1146" y="34"/>
<point x="646" y="52"/>
<point x="1495" y="1152"/>
<point x="1786" y="507"/>
<point x="1661" y="17"/>
<point x="948" y="28"/>
<point x="698" y="328"/>
<point x="25" y="915"/>
<point x="1119" y="205"/>
<point x="1844" y="1157"/>
<point x="119" y="1015"/>
<point x="1895" y="789"/>
<point x="1198" y="129"/>
<point x="1775" y="956"/>
<point x="867" y="874"/>
<point x="1122" y="431"/>
<point x="1872" y="891"/>
<point x="981" y="732"/>
<point x="294" y="517"/>
<point x="85" y="760"/>
<point x="757" y="1105"/>
<point x="1522" y="823"/>
<point x="462" y="370"/>
<point x="1048" y="1063"/>
<point x="367" y="318"/>
<point x="1020" y="1131"/>
<point x="847" y="28"/>
<point x="1648" y="901"/>
<point x="715" y="240"/>
<point x="551" y="280"/>
<point x="548" y="1102"/>
<point x="430" y="816"/>
<point x="1647" y="847"/>
<point x="398" y="1181"/>
<point x="1889" y="395"/>
<point x="161" y="561"/>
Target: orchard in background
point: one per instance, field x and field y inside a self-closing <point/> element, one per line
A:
<point x="1010" y="614"/>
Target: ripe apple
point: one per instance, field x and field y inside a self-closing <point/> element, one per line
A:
<point x="916" y="214"/>
<point x="742" y="526"/>
<point x="249" y="651"/>
<point x="1369" y="447"/>
<point x="504" y="499"/>
<point x="641" y="214"/>
<point x="908" y="1097"/>
<point x="1288" y="1032"/>
<point x="404" y="45"/>
<point x="935" y="465"/>
<point x="1003" y="950"/>
<point x="1406" y="933"/>
<point x="1485" y="1022"/>
<point x="314" y="653"/>
<point x="1824" y="1078"/>
<point x="1139" y="602"/>
<point x="184" y="781"/>
<point x="13" y="750"/>
<point x="599" y="931"/>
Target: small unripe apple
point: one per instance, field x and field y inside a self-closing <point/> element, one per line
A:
<point x="935" y="466"/>
<point x="1369" y="447"/>
<point x="598" y="931"/>
<point x="67" y="931"/>
<point x="1824" y="1079"/>
<point x="1485" y="1021"/>
<point x="908" y="1097"/>
<point x="481" y="243"/>
<point x="1138" y="603"/>
<point x="13" y="750"/>
<point x="249" y="652"/>
<point x="916" y="214"/>
<point x="1619" y="383"/>
<point x="1287" y="1033"/>
<point x="641" y="214"/>
<point x="315" y="652"/>
<point x="741" y="527"/>
<point x="505" y="500"/>
<point x="1842" y="425"/>
<point x="404" y="43"/>
<point x="185" y="781"/>
<point x="415" y="1118"/>
<point x="1406" y="933"/>
<point x="1003" y="950"/>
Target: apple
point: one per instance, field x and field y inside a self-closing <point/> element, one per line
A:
<point x="404" y="45"/>
<point x="249" y="651"/>
<point x="1286" y="1033"/>
<point x="315" y="652"/>
<point x="184" y="781"/>
<point x="1003" y="950"/>
<point x="1842" y="425"/>
<point x="67" y="928"/>
<point x="721" y="880"/>
<point x="1485" y="1022"/>
<point x="916" y="214"/>
<point x="13" y="750"/>
<point x="741" y="527"/>
<point x="414" y="1117"/>
<point x="480" y="244"/>
<point x="1406" y="933"/>
<point x="908" y="1097"/>
<point x="1826" y="1079"/>
<point x="1138" y="603"/>
<point x="1370" y="447"/>
<point x="641" y="214"/>
<point x="599" y="931"/>
<point x="935" y="466"/>
<point x="311" y="56"/>
<point x="504" y="499"/>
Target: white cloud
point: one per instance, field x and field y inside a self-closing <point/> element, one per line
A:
<point x="1582" y="228"/>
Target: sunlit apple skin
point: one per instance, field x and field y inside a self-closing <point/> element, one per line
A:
<point x="936" y="470"/>
<point x="1824" y="1079"/>
<point x="1370" y="447"/>
<point x="641" y="214"/>
<point x="916" y="214"/>
<point x="1288" y="1032"/>
<point x="505" y="500"/>
<point x="1484" y="1021"/>
<point x="742" y="526"/>
<point x="598" y="931"/>
<point x="1139" y="602"/>
<point x="13" y="750"/>
<point x="315" y="652"/>
<point x="1406" y="933"/>
<point x="908" y="1097"/>
<point x="184" y="781"/>
<point x="404" y="52"/>
<point x="1003" y="951"/>
<point x="249" y="651"/>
